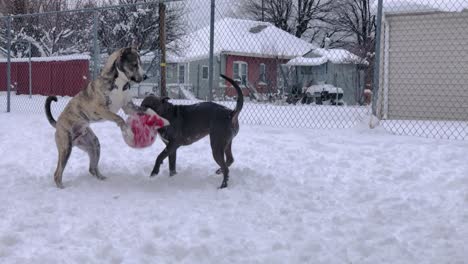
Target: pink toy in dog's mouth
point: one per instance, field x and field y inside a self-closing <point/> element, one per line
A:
<point x="143" y="129"/>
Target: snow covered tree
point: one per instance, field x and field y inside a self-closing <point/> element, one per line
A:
<point x="49" y="35"/>
<point x="72" y="32"/>
<point x="139" y="24"/>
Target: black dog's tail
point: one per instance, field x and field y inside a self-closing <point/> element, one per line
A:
<point x="240" y="97"/>
<point x="47" y="110"/>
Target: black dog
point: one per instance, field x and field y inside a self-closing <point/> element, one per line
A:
<point x="189" y="123"/>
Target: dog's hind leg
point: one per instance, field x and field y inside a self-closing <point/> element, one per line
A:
<point x="218" y="147"/>
<point x="64" y="146"/>
<point x="229" y="157"/>
<point x="89" y="143"/>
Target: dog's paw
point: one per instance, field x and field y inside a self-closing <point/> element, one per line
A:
<point x="219" y="171"/>
<point x="101" y="178"/>
<point x="223" y="185"/>
<point x="154" y="173"/>
<point x="128" y="135"/>
<point x="121" y="123"/>
<point x="172" y="173"/>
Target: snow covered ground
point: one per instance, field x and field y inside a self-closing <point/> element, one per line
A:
<point x="295" y="196"/>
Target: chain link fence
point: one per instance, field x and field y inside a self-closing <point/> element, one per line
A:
<point x="312" y="66"/>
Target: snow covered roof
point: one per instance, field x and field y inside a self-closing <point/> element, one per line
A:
<point x="321" y="56"/>
<point x="52" y="58"/>
<point x="240" y="37"/>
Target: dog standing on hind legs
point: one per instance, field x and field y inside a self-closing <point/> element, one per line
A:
<point x="189" y="123"/>
<point x="100" y="100"/>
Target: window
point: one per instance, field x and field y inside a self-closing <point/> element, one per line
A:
<point x="205" y="72"/>
<point x="240" y="72"/>
<point x="262" y="77"/>
<point x="181" y="73"/>
<point x="170" y="71"/>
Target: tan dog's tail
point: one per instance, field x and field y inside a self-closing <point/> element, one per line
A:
<point x="47" y="110"/>
<point x="240" y="98"/>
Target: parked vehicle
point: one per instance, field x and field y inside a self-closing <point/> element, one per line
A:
<point x="324" y="94"/>
<point x="319" y="94"/>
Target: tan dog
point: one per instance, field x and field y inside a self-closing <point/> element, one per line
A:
<point x="100" y="100"/>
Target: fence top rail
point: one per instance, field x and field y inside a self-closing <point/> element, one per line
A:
<point x="85" y="10"/>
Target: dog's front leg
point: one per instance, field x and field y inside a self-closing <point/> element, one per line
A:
<point x="130" y="108"/>
<point x="170" y="149"/>
<point x="108" y="115"/>
<point x="172" y="163"/>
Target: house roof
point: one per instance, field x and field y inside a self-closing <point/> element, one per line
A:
<point x="321" y="56"/>
<point x="240" y="37"/>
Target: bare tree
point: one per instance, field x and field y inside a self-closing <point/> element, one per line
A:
<point x="354" y="21"/>
<point x="310" y="12"/>
<point x="299" y="17"/>
<point x="355" y="24"/>
<point x="277" y="12"/>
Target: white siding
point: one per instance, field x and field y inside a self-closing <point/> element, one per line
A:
<point x="427" y="66"/>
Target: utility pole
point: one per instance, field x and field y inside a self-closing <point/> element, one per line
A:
<point x="263" y="10"/>
<point x="9" y="62"/>
<point x="211" y="59"/>
<point x="162" y="45"/>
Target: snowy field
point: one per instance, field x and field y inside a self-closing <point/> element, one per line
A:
<point x="295" y="196"/>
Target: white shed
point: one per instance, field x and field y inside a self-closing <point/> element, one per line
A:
<point x="424" y="66"/>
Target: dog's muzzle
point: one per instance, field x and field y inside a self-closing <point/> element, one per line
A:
<point x="139" y="79"/>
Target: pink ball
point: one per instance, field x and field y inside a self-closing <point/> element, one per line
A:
<point x="143" y="129"/>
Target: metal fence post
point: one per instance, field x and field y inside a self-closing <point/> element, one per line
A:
<point x="30" y="70"/>
<point x="162" y="46"/>
<point x="8" y="62"/>
<point x="96" y="44"/>
<point x="211" y="62"/>
<point x="376" y="78"/>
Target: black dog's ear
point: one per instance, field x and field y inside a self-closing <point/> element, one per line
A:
<point x="165" y="99"/>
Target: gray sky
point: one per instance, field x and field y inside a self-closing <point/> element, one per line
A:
<point x="199" y="15"/>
